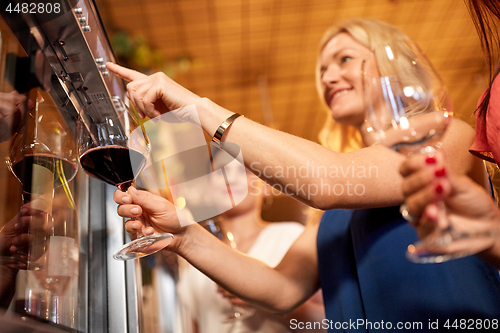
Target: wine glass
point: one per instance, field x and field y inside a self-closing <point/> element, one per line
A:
<point x="408" y="110"/>
<point x="43" y="158"/>
<point x="238" y="312"/>
<point x="45" y="143"/>
<point x="114" y="148"/>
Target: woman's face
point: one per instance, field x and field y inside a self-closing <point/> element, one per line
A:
<point x="243" y="186"/>
<point x="343" y="61"/>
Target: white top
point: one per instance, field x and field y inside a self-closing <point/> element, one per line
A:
<point x="199" y="294"/>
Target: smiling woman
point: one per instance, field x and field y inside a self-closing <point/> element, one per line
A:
<point x="357" y="256"/>
<point x="342" y="61"/>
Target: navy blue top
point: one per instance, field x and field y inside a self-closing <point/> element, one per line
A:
<point x="364" y="274"/>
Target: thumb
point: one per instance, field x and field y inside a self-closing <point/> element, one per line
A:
<point x="460" y="184"/>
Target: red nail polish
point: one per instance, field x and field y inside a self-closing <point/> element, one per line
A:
<point x="430" y="160"/>
<point x="440" y="172"/>
<point x="439" y="189"/>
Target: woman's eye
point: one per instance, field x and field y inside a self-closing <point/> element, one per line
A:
<point x="345" y="59"/>
<point x="322" y="71"/>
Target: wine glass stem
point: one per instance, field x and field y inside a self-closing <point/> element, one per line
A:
<point x="36" y="120"/>
<point x="139" y="234"/>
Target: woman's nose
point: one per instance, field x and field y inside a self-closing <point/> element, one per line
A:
<point x="331" y="75"/>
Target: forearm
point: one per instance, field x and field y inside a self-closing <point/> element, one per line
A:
<point x="238" y="273"/>
<point x="309" y="312"/>
<point x="325" y="179"/>
<point x="307" y="171"/>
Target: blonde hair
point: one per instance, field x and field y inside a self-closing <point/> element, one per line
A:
<point x="373" y="34"/>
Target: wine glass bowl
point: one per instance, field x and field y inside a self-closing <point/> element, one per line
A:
<point x="44" y="142"/>
<point x="408" y="109"/>
<point x="114" y="148"/>
<point x="407" y="119"/>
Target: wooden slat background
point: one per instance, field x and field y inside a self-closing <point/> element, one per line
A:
<point x="237" y="42"/>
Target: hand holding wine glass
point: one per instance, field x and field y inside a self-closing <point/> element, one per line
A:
<point x="468" y="205"/>
<point x="115" y="149"/>
<point x="408" y="110"/>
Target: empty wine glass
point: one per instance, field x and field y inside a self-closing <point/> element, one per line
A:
<point x="408" y="110"/>
<point x="113" y="147"/>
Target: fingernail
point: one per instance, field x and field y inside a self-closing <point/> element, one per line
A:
<point x="430" y="160"/>
<point x="440" y="173"/>
<point x="126" y="199"/>
<point x="439" y="189"/>
<point x="133" y="190"/>
<point x="136" y="226"/>
<point x="149" y="231"/>
<point x="135" y="211"/>
<point x="141" y="115"/>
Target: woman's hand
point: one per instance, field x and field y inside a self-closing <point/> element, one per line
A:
<point x="155" y="94"/>
<point x="153" y="213"/>
<point x="25" y="233"/>
<point x="12" y="107"/>
<point x="469" y="208"/>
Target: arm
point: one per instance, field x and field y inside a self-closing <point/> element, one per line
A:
<point x="468" y="206"/>
<point x="287" y="286"/>
<point x="267" y="152"/>
<point x="12" y="106"/>
<point x="312" y="310"/>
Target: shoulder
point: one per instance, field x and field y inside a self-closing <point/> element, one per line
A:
<point x="460" y="126"/>
<point x="456" y="143"/>
<point x="458" y="136"/>
<point x="494" y="102"/>
<point x="495" y="86"/>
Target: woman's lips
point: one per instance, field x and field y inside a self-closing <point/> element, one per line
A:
<point x="339" y="93"/>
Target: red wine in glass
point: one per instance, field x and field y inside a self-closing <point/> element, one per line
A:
<point x="62" y="169"/>
<point x="114" y="148"/>
<point x="114" y="165"/>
